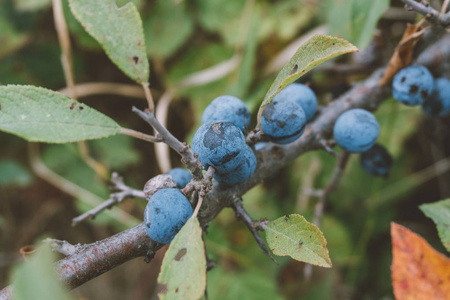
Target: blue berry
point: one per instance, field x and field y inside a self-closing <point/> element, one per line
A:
<point x="219" y="144"/>
<point x="243" y="172"/>
<point x="283" y="121"/>
<point x="412" y="85"/>
<point x="166" y="212"/>
<point x="180" y="176"/>
<point x="376" y="161"/>
<point x="227" y="108"/>
<point x="356" y="130"/>
<point x="438" y="104"/>
<point x="302" y="95"/>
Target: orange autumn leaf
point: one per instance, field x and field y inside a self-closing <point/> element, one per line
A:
<point x="402" y="55"/>
<point x="418" y="271"/>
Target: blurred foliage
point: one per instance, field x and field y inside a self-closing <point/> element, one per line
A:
<point x="35" y="278"/>
<point x="184" y="37"/>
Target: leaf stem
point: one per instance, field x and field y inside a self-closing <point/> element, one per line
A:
<point x="148" y="96"/>
<point x="140" y="135"/>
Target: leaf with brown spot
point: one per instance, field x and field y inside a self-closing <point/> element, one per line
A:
<point x="418" y="271"/>
<point x="119" y="31"/>
<point x="183" y="271"/>
<point x="292" y="235"/>
<point x="312" y="53"/>
<point x="402" y="55"/>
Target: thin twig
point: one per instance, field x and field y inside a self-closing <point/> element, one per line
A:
<point x="254" y="136"/>
<point x="72" y="189"/>
<point x="432" y="15"/>
<point x="64" y="41"/>
<point x="211" y="74"/>
<point x="123" y="193"/>
<point x="148" y="96"/>
<point x="331" y="186"/>
<point x="252" y="225"/>
<point x="188" y="158"/>
<point x="162" y="150"/>
<point x="106" y="88"/>
<point x="63" y="247"/>
<point x="140" y="135"/>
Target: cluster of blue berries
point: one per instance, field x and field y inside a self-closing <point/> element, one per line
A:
<point x="284" y="119"/>
<point x="220" y="142"/>
<point x="415" y="85"/>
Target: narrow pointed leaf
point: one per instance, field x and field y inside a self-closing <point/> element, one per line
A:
<point x="293" y="236"/>
<point x="183" y="271"/>
<point x="315" y="51"/>
<point x="119" y="31"/>
<point x="418" y="271"/>
<point x="40" y="115"/>
<point x="440" y="213"/>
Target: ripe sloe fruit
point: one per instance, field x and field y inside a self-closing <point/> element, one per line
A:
<point x="227" y="108"/>
<point x="302" y="95"/>
<point x="283" y="121"/>
<point x="376" y="161"/>
<point x="219" y="144"/>
<point x="438" y="104"/>
<point x="412" y="85"/>
<point x="356" y="130"/>
<point x="180" y="176"/>
<point x="166" y="212"/>
<point x="242" y="172"/>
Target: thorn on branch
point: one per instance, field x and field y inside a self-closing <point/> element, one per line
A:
<point x="123" y="192"/>
<point x="252" y="225"/>
<point x="326" y="145"/>
<point x="63" y="247"/>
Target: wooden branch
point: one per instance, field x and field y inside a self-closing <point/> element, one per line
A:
<point x="104" y="255"/>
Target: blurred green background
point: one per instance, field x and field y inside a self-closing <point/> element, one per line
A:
<point x="185" y="37"/>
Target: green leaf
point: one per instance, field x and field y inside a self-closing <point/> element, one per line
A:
<point x="315" y="51"/>
<point x="365" y="15"/>
<point x="440" y="213"/>
<point x="183" y="271"/>
<point x="355" y="20"/>
<point x="36" y="278"/>
<point x="168" y="27"/>
<point x="119" y="31"/>
<point x="293" y="236"/>
<point x="12" y="173"/>
<point x="40" y="115"/>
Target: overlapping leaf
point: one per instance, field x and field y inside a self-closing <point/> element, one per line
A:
<point x="36" y="278"/>
<point x="418" y="271"/>
<point x="440" y="213"/>
<point x="292" y="235"/>
<point x="315" y="51"/>
<point x="119" y="31"/>
<point x="41" y="115"/>
<point x="183" y="271"/>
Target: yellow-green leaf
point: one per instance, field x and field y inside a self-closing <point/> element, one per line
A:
<point x="119" y="31"/>
<point x="315" y="51"/>
<point x="183" y="271"/>
<point x="293" y="236"/>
